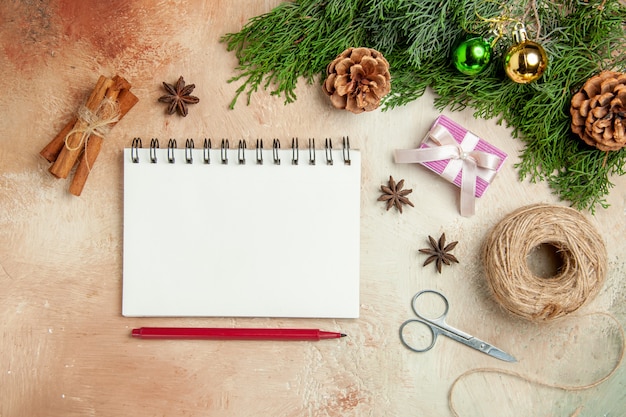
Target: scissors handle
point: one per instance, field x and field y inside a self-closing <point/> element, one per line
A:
<point x="436" y="325"/>
<point x="408" y="345"/>
<point x="436" y="320"/>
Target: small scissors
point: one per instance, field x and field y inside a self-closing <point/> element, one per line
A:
<point x="439" y="326"/>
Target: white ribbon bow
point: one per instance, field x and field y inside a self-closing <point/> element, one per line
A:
<point x="462" y="159"/>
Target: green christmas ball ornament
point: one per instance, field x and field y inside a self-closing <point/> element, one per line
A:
<point x="472" y="55"/>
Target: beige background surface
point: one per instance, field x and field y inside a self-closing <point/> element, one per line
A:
<point x="65" y="348"/>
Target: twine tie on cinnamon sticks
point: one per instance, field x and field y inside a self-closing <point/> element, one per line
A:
<point x="97" y="122"/>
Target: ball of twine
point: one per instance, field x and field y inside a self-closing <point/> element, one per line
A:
<point x="578" y="279"/>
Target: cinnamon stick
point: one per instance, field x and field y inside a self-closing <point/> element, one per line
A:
<point x="69" y="154"/>
<point x="52" y="149"/>
<point x="126" y="101"/>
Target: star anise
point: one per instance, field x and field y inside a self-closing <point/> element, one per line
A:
<point x="440" y="252"/>
<point x="178" y="96"/>
<point x="394" y="195"/>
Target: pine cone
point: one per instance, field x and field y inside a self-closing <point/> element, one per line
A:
<point x="599" y="111"/>
<point x="357" y="79"/>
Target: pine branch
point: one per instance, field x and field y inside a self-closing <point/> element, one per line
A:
<point x="299" y="39"/>
<point x="293" y="40"/>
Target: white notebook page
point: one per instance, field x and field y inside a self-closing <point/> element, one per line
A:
<point x="235" y="240"/>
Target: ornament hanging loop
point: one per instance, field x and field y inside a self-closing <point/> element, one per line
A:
<point x="519" y="33"/>
<point x="498" y="24"/>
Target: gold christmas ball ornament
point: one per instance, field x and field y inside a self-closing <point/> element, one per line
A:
<point x="357" y="79"/>
<point x="526" y="60"/>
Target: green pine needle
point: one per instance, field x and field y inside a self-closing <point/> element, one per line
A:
<point x="298" y="39"/>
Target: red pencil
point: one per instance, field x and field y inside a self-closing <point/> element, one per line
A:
<point x="233" y="333"/>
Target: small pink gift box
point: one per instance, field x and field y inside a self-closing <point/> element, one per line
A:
<point x="454" y="152"/>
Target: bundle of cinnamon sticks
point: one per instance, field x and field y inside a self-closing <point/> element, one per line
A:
<point x="80" y="141"/>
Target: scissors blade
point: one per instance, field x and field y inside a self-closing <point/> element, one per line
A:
<point x="499" y="354"/>
<point x="440" y="327"/>
<point x="489" y="349"/>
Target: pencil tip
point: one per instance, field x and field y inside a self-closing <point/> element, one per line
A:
<point x="343" y="335"/>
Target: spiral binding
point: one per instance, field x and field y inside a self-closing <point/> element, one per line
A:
<point x="134" y="155"/>
<point x="188" y="149"/>
<point x="242" y="148"/>
<point x="275" y="148"/>
<point x="171" y="145"/>
<point x="154" y="144"/>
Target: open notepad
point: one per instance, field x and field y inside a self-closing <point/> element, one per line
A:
<point x="237" y="232"/>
